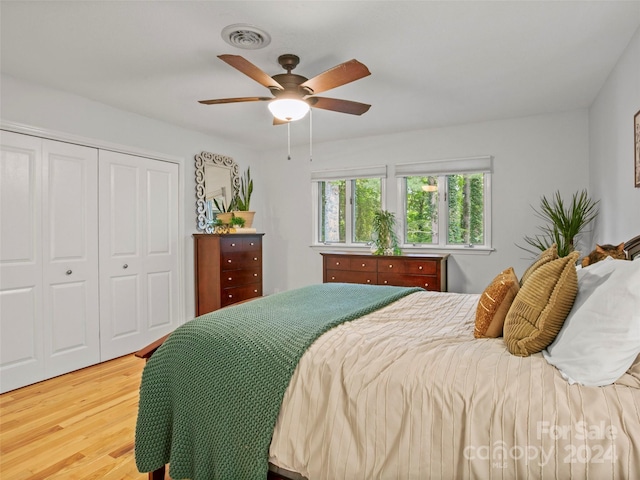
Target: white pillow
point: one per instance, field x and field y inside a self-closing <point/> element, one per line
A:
<point x="600" y="338"/>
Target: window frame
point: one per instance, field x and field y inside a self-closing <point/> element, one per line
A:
<point x="349" y="175"/>
<point x="442" y="169"/>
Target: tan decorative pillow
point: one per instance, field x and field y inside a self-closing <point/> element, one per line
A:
<point x="494" y="304"/>
<point x="541" y="306"/>
<point x="547" y="256"/>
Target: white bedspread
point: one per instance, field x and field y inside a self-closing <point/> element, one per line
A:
<point x="407" y="392"/>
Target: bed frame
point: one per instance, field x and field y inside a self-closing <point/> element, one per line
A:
<point x="632" y="247"/>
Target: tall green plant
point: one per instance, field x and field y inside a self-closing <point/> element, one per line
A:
<point x="384" y="228"/>
<point x="565" y="224"/>
<point x="243" y="197"/>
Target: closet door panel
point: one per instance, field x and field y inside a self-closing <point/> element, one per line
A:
<point x="138" y="252"/>
<point x="70" y="236"/>
<point x="125" y="306"/>
<point x="161" y="266"/>
<point x="21" y="314"/>
<point x="121" y="226"/>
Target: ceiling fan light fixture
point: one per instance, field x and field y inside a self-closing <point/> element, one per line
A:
<point x="288" y="109"/>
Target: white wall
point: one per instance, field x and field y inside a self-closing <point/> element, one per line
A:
<point x="49" y="109"/>
<point x="611" y="163"/>
<point x="533" y="156"/>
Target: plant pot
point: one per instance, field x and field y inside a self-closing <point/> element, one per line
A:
<point x="225" y="217"/>
<point x="248" y="217"/>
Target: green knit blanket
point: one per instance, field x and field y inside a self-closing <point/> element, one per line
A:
<point x="211" y="394"/>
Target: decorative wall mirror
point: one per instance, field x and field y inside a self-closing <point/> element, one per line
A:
<point x="217" y="177"/>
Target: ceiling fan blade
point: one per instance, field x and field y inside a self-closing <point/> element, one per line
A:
<point x="250" y="70"/>
<point x="342" y="74"/>
<point x="337" y="105"/>
<point x="234" y="100"/>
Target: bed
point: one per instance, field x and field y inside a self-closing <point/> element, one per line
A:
<point x="402" y="388"/>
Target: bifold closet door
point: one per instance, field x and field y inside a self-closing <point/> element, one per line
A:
<point x="139" y="270"/>
<point x="48" y="259"/>
<point x="21" y="322"/>
<point x="70" y="253"/>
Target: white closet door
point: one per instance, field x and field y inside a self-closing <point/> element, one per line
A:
<point x="70" y="239"/>
<point x="21" y="321"/>
<point x="139" y="279"/>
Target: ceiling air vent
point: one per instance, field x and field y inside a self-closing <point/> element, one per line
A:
<point x="246" y="36"/>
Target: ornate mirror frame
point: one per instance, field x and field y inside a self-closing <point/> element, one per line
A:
<point x="203" y="207"/>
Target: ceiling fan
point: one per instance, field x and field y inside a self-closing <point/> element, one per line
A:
<point x="291" y="91"/>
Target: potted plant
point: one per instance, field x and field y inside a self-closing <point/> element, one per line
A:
<point x="236" y="222"/>
<point x="242" y="199"/>
<point x="384" y="233"/>
<point x="224" y="214"/>
<point x="564" y="224"/>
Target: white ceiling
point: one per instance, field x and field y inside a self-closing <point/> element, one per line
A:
<point x="433" y="63"/>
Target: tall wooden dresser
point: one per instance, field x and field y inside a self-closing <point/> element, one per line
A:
<point x="228" y="269"/>
<point x="426" y="271"/>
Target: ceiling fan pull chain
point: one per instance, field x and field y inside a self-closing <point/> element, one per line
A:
<point x="288" y="140"/>
<point x="311" y="135"/>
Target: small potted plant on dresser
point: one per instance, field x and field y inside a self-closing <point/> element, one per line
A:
<point x="242" y="200"/>
<point x="236" y="224"/>
<point x="384" y="233"/>
<point x="224" y="214"/>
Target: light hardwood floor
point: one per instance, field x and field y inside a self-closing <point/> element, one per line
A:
<point x="77" y="426"/>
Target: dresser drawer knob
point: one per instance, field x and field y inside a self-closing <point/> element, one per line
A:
<point x="251" y="243"/>
<point x="255" y="274"/>
<point x="420" y="267"/>
<point x="337" y="263"/>
<point x="233" y="244"/>
<point x="230" y="278"/>
<point x="230" y="296"/>
<point x="255" y="258"/>
<point x="426" y="285"/>
<point x="228" y="261"/>
<point x="385" y="282"/>
<point x="333" y="278"/>
<point x="255" y="291"/>
<point x="391" y="266"/>
<point x="364" y="264"/>
<point x="368" y="281"/>
<point x="69" y="272"/>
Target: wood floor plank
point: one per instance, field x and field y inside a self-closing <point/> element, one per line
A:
<point x="77" y="426"/>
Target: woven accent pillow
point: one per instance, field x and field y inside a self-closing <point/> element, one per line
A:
<point x="547" y="256"/>
<point x="541" y="306"/>
<point x="494" y="304"/>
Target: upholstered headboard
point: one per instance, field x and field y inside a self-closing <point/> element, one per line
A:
<point x="633" y="248"/>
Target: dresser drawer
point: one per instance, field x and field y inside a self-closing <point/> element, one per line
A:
<point x="417" y="267"/>
<point x="363" y="264"/>
<point x="348" y="276"/>
<point x="241" y="259"/>
<point x="237" y="294"/>
<point x="428" y="282"/>
<point x="233" y="244"/>
<point x="336" y="262"/>
<point x="235" y="278"/>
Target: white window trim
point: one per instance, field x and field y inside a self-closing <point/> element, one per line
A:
<point x="480" y="164"/>
<point x="349" y="174"/>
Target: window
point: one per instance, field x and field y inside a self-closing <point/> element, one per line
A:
<point x="446" y="203"/>
<point x="346" y="201"/>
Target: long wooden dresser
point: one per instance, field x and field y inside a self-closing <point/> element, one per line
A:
<point x="426" y="271"/>
<point x="228" y="269"/>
